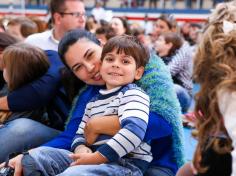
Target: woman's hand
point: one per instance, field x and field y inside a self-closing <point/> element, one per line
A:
<point x="82" y="149"/>
<point x="4" y="103"/>
<point x="4" y="116"/>
<point x="108" y="125"/>
<point x="15" y="163"/>
<point x="87" y="158"/>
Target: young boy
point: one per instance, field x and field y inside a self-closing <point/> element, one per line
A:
<point x="123" y="62"/>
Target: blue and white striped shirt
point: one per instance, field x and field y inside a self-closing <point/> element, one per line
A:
<point x="131" y="104"/>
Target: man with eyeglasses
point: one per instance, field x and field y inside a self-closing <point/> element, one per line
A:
<point x="66" y="15"/>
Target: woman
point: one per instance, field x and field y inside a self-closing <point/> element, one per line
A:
<point x="165" y="23"/>
<point x="214" y="71"/>
<point x="165" y="110"/>
<point x="120" y="26"/>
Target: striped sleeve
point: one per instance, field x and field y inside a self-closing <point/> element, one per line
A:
<point x="133" y="115"/>
<point x="180" y="60"/>
<point x="79" y="137"/>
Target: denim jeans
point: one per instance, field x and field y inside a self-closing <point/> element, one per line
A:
<point x="183" y="97"/>
<point x="158" y="171"/>
<point x="121" y="168"/>
<point x="21" y="134"/>
<point x="48" y="161"/>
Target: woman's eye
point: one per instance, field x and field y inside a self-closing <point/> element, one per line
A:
<point x="75" y="69"/>
<point x="90" y="56"/>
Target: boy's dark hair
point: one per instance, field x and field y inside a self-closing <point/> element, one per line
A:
<point x="130" y="45"/>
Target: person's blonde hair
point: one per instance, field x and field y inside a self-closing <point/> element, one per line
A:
<point x="214" y="66"/>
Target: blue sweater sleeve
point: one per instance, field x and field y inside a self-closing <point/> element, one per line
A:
<point x="38" y="93"/>
<point x="157" y="128"/>
<point x="64" y="140"/>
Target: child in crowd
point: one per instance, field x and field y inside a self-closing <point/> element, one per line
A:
<point x="167" y="45"/>
<point x="123" y="62"/>
<point x="214" y="70"/>
<point x="177" y="56"/>
<point x="22" y="64"/>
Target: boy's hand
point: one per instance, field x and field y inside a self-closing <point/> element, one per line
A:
<point x="16" y="164"/>
<point x="82" y="149"/>
<point x="87" y="159"/>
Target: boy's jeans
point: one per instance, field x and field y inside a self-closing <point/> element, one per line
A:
<point x="48" y="161"/>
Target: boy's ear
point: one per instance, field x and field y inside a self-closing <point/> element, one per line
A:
<point x="139" y="73"/>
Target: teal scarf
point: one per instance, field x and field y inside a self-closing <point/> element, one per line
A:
<point x="158" y="84"/>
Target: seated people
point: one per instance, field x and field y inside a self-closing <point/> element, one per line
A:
<point x="164" y="127"/>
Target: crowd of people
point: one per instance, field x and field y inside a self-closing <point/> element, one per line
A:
<point x="87" y="96"/>
<point x="142" y="3"/>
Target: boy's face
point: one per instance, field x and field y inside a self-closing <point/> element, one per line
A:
<point x="161" y="47"/>
<point x="119" y="69"/>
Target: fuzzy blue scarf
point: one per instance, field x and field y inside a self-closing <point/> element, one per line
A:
<point x="158" y="84"/>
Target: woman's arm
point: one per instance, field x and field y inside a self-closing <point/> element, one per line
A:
<point x="4" y="115"/>
<point x="108" y="125"/>
<point x="37" y="93"/>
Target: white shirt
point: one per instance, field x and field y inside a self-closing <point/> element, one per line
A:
<point x="227" y="106"/>
<point x="99" y="13"/>
<point x="44" y="40"/>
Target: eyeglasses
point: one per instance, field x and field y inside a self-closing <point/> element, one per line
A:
<point x="74" y="14"/>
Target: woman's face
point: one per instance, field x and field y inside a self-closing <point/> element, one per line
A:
<point x="117" y="26"/>
<point x="161" y="27"/>
<point x="83" y="58"/>
<point x="161" y="47"/>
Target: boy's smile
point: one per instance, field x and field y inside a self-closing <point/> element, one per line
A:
<point x="118" y="69"/>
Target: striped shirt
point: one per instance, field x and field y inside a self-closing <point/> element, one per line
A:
<point x="181" y="67"/>
<point x="131" y="105"/>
